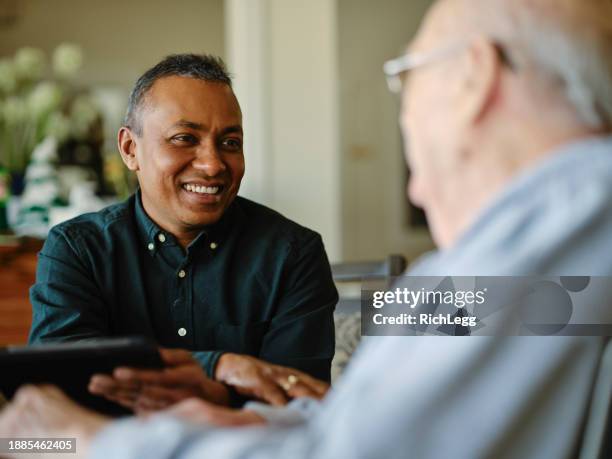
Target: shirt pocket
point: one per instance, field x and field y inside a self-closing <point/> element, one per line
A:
<point x="242" y="338"/>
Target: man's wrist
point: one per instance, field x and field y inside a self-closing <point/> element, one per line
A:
<point x="223" y="368"/>
<point x="216" y="392"/>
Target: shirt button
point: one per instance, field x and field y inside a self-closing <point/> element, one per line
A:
<point x="161" y="237"/>
<point x="182" y="273"/>
<point x="151" y="246"/>
<point x="213" y="245"/>
<point x="182" y="332"/>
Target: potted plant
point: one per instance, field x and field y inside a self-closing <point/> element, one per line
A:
<point x="36" y="103"/>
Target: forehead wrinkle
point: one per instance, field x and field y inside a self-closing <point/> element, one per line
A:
<point x="188" y="124"/>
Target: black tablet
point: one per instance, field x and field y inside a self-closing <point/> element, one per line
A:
<point x="71" y="365"/>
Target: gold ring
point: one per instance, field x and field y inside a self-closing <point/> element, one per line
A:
<point x="292" y="380"/>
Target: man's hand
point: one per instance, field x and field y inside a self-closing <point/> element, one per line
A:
<point x="274" y="384"/>
<point x="151" y="390"/>
<point x="198" y="411"/>
<point x="44" y="411"/>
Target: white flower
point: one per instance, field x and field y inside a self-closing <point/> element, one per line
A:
<point x="29" y="63"/>
<point x="67" y="60"/>
<point x="41" y="193"/>
<point x="58" y="126"/>
<point x="44" y="98"/>
<point x="14" y="110"/>
<point x="8" y="79"/>
<point x="45" y="151"/>
<point x="39" y="171"/>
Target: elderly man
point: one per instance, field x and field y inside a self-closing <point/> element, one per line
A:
<point x="508" y="107"/>
<point x="185" y="261"/>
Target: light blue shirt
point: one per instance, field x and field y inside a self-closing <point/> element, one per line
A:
<point x="441" y="397"/>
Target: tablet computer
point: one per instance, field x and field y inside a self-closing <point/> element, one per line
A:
<point x="71" y="365"/>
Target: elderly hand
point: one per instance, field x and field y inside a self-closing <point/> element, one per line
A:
<point x="144" y="391"/>
<point x="199" y="411"/>
<point x="44" y="411"/>
<point x="274" y="384"/>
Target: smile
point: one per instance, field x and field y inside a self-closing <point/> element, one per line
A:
<point x="200" y="189"/>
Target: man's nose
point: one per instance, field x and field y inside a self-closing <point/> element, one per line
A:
<point x="209" y="161"/>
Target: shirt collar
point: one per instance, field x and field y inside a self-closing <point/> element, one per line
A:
<point x="213" y="235"/>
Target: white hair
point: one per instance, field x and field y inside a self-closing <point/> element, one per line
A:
<point x="567" y="41"/>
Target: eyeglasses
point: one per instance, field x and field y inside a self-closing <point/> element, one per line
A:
<point x="397" y="69"/>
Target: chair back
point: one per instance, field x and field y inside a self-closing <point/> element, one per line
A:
<point x="349" y="278"/>
<point x="394" y="265"/>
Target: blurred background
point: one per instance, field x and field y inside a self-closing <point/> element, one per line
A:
<point x="322" y="140"/>
<point x="322" y="144"/>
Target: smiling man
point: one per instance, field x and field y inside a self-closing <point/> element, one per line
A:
<point x="523" y="104"/>
<point x="185" y="261"/>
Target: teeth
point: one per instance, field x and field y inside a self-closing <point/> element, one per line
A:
<point x="201" y="189"/>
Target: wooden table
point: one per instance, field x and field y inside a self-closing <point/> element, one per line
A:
<point x="17" y="274"/>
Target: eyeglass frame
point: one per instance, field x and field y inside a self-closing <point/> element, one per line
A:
<point x="395" y="68"/>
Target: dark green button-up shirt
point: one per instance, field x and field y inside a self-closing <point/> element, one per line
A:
<point x="254" y="283"/>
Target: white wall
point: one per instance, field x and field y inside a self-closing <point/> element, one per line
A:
<point x="292" y="134"/>
<point x="304" y="113"/>
<point x="322" y="140"/>
<point x="120" y="38"/>
<point x="373" y="173"/>
<point x="247" y="38"/>
<point x="374" y="218"/>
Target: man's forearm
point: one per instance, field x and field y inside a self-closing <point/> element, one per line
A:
<point x="214" y="391"/>
<point x="217" y="393"/>
<point x="164" y="437"/>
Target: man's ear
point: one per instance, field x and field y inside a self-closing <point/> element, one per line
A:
<point x="126" y="141"/>
<point x="481" y="83"/>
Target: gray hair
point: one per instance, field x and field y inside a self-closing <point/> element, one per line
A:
<point x="199" y="66"/>
<point x="569" y="42"/>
